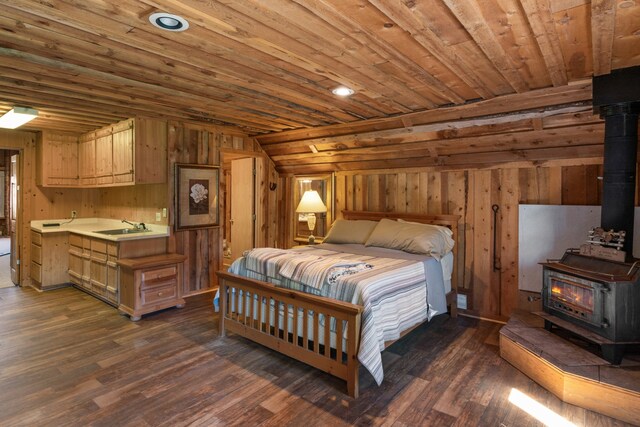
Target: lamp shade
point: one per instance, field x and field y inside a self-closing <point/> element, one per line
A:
<point x="311" y="202"/>
<point x="17" y="116"/>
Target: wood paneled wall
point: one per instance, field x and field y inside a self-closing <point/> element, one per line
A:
<point x="203" y="248"/>
<point x="138" y="203"/>
<point x="471" y="194"/>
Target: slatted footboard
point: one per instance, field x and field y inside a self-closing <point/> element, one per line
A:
<point x="318" y="331"/>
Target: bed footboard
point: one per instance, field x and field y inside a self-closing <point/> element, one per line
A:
<point x="260" y="312"/>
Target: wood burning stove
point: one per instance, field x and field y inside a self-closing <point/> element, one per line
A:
<point x="598" y="295"/>
<point x="595" y="293"/>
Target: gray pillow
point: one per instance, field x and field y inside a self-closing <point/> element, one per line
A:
<point x="350" y="231"/>
<point x="412" y="238"/>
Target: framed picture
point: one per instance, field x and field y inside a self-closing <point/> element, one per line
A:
<point x="196" y="196"/>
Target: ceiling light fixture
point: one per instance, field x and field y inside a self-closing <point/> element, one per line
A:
<point x="343" y="91"/>
<point x="169" y="22"/>
<point x="17" y="116"/>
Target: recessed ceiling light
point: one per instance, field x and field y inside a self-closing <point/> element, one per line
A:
<point x="343" y="91"/>
<point x="169" y="22"/>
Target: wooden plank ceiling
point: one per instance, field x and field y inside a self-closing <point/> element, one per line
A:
<point x="428" y="74"/>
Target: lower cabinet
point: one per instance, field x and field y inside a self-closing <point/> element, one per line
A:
<point x="48" y="260"/>
<point x="149" y="284"/>
<point x="93" y="263"/>
<point x="93" y="267"/>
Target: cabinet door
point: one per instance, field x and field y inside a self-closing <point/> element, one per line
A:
<point x="87" y="159"/>
<point x="123" y="152"/>
<point x="58" y="159"/>
<point x="104" y="156"/>
<point x="98" y="267"/>
<point x="113" y="280"/>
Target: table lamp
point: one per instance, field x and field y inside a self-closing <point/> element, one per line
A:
<point x="311" y="204"/>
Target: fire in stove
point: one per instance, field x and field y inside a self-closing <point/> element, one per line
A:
<point x="572" y="297"/>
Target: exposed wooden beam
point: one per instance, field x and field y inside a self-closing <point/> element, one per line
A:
<point x="535" y="157"/>
<point x="570" y="136"/>
<point x="556" y="97"/>
<point x="442" y="130"/>
<point x="603" y="18"/>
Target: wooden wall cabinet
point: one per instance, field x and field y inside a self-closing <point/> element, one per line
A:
<point x="104" y="156"/>
<point x="123" y="154"/>
<point x="57" y="160"/>
<point x="150" y="284"/>
<point x="130" y="152"/>
<point x="49" y="261"/>
<point x="87" y="159"/>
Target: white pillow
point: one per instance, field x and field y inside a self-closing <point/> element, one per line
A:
<point x="350" y="231"/>
<point x="442" y="228"/>
<point x="413" y="238"/>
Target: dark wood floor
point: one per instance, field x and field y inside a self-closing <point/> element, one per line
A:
<point x="69" y="359"/>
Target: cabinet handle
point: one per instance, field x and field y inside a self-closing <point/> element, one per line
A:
<point x="159" y="294"/>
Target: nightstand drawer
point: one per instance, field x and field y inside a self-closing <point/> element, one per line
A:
<point x="149" y="284"/>
<point x="156" y="295"/>
<point x="160" y="283"/>
<point x="159" y="274"/>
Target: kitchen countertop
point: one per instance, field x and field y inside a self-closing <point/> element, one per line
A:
<point x="90" y="226"/>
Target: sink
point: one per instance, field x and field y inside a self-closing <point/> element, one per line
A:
<point x="120" y="231"/>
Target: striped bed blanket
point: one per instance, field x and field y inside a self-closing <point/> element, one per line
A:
<point x="393" y="292"/>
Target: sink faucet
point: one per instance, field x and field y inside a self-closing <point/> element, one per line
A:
<point x="140" y="226"/>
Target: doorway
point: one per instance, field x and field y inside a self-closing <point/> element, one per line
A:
<point x="9" y="161"/>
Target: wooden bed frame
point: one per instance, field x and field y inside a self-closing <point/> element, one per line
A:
<point x="342" y="361"/>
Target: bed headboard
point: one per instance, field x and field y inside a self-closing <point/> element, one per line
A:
<point x="450" y="221"/>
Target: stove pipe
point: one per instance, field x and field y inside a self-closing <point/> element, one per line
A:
<point x="616" y="96"/>
<point x="620" y="159"/>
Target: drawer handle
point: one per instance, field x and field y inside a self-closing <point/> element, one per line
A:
<point x="159" y="294"/>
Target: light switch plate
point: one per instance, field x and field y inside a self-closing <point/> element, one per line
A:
<point x="164" y="212"/>
<point x="158" y="216"/>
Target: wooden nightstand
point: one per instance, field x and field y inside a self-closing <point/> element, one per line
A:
<point x="303" y="241"/>
<point x="150" y="284"/>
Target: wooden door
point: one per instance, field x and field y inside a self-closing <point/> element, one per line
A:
<point x="14" y="208"/>
<point x="242" y="206"/>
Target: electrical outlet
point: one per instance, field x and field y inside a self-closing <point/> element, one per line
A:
<point x="164" y="212"/>
<point x="462" y="302"/>
<point x="158" y="216"/>
<point x="74" y="214"/>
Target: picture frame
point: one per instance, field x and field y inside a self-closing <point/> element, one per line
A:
<point x="196" y="193"/>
